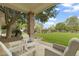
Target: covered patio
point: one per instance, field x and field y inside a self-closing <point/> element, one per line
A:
<point x="34" y="47"/>
<point x="31" y="10"/>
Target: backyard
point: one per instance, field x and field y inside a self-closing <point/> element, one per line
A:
<point x="58" y="37"/>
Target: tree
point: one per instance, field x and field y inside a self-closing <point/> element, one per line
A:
<point x="51" y="28"/>
<point x="73" y="23"/>
<point x="38" y="27"/>
<point x="76" y="28"/>
<point x="60" y="26"/>
<point x="11" y="17"/>
<point x="21" y="24"/>
<point x="46" y="14"/>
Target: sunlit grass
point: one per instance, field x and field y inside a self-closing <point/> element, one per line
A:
<point x="57" y="37"/>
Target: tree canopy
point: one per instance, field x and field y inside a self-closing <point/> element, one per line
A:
<point x="71" y="24"/>
<point x="72" y="21"/>
<point x="46" y="14"/>
<point x="60" y="26"/>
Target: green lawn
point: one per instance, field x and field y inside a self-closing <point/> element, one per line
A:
<point x="57" y="37"/>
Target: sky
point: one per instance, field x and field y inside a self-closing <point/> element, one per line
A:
<point x="65" y="10"/>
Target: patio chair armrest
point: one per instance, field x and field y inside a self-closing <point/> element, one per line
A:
<point x="59" y="47"/>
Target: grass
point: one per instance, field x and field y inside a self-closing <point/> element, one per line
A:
<point x="57" y="37"/>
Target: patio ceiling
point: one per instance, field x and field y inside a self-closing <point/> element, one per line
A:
<point x="26" y="7"/>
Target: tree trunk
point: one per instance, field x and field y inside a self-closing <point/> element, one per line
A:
<point x="10" y="24"/>
<point x="8" y="32"/>
<point x="31" y="24"/>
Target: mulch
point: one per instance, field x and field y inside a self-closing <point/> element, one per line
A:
<point x="4" y="40"/>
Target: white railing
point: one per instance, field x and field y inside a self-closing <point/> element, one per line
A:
<point x="51" y="49"/>
<point x="16" y="46"/>
<point x="36" y="47"/>
<point x="5" y="49"/>
<point x="40" y="50"/>
<point x="22" y="47"/>
<point x="28" y="53"/>
<point x="46" y="44"/>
